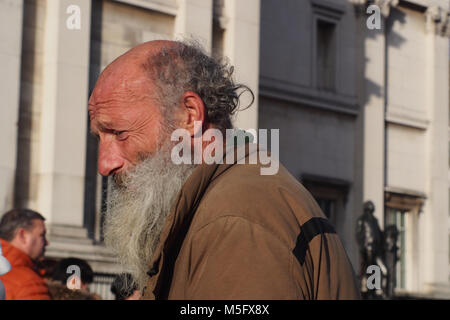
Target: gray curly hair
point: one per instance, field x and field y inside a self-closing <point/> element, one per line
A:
<point x="186" y="67"/>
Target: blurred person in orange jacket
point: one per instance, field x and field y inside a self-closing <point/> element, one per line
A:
<point x="23" y="242"/>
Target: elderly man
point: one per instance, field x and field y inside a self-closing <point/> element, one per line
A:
<point x="23" y="243"/>
<point x="206" y="231"/>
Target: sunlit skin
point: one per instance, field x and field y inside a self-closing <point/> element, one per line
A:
<point x="125" y="115"/>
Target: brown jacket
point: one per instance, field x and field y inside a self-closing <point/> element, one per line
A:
<point x="236" y="234"/>
<point x="22" y="282"/>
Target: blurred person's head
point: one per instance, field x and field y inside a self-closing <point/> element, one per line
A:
<point x="25" y="230"/>
<point x="73" y="272"/>
<point x="139" y="99"/>
<point x="124" y="288"/>
<point x="369" y="207"/>
<point x="46" y="267"/>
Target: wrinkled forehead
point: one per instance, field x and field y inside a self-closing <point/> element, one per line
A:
<point x="124" y="82"/>
<point x="119" y="82"/>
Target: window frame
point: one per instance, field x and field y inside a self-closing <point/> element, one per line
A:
<point x="329" y="12"/>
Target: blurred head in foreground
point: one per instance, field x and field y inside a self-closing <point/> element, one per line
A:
<point x="25" y="230"/>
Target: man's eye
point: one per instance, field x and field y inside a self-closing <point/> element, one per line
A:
<point x="121" y="135"/>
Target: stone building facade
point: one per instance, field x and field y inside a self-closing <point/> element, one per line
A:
<point x="362" y="113"/>
<point x="49" y="69"/>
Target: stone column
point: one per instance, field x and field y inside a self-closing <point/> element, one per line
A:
<point x="63" y="124"/>
<point x="373" y="119"/>
<point x="435" y="248"/>
<point x="373" y="112"/>
<point x="11" y="12"/>
<point x="194" y="20"/>
<point x="241" y="45"/>
<point x="372" y="99"/>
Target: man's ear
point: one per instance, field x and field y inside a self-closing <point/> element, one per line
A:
<point x="194" y="108"/>
<point x="22" y="235"/>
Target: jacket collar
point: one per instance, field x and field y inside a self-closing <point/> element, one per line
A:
<point x="179" y="220"/>
<point x="15" y="256"/>
<point x="5" y="266"/>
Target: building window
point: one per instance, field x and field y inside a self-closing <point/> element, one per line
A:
<point x="326" y="55"/>
<point x="328" y="207"/>
<point x="94" y="183"/>
<point x="402" y="209"/>
<point x="398" y="218"/>
<point x="219" y="26"/>
<point x="331" y="196"/>
<point x="326" y="17"/>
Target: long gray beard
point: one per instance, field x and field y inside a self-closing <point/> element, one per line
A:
<point x="138" y="209"/>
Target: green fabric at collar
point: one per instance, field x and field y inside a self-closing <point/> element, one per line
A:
<point x="239" y="137"/>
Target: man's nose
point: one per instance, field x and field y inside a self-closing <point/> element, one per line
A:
<point x="109" y="159"/>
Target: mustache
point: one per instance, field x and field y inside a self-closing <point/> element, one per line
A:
<point x="121" y="178"/>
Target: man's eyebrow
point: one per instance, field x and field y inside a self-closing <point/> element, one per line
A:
<point x="103" y="127"/>
<point x="91" y="106"/>
<point x="93" y="131"/>
<point x="95" y="134"/>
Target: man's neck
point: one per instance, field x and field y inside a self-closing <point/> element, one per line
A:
<point x="18" y="245"/>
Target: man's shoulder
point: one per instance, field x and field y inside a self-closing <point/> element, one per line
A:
<point x="247" y="179"/>
<point x="22" y="274"/>
<point x="23" y="283"/>
<point x="273" y="201"/>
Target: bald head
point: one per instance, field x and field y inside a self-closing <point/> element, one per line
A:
<point x="128" y="111"/>
<point x="126" y="74"/>
<point x="138" y="55"/>
<point x="154" y="84"/>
